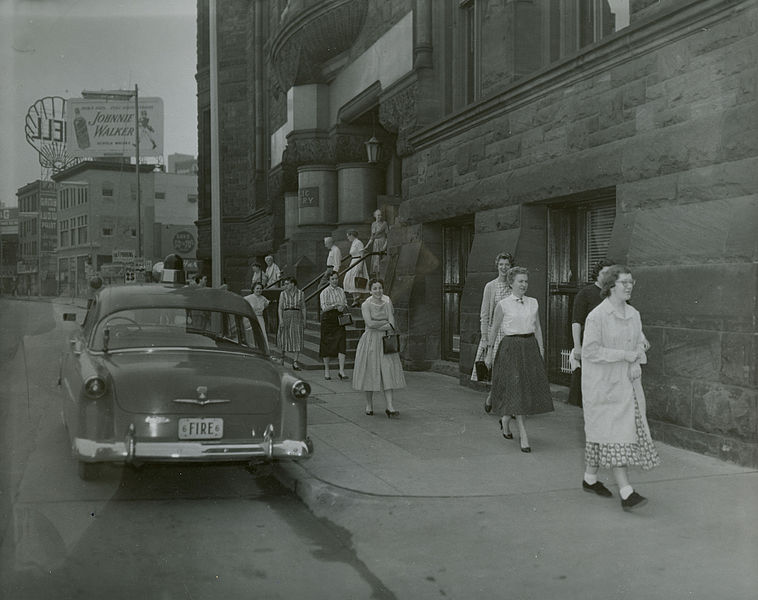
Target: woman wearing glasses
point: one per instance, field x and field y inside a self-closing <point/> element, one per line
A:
<point x="615" y="425"/>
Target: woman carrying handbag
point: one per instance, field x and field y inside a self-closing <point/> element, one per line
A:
<point x="377" y="369"/>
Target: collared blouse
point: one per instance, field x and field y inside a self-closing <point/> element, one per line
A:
<point x="517" y="316"/>
<point x="331" y="296"/>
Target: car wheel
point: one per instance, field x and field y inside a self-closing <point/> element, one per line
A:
<point x="88" y="471"/>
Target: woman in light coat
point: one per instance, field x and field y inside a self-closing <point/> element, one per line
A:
<point x="494" y="292"/>
<point x="615" y="425"/>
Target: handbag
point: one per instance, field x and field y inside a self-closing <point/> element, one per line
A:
<point x="345" y="319"/>
<point x="482" y="372"/>
<point x="391" y="342"/>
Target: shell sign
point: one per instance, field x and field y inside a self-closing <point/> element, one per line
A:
<point x="45" y="130"/>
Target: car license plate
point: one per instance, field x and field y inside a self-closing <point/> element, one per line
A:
<point x="201" y="429"/>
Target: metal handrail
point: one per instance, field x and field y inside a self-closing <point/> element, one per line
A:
<point x="362" y="259"/>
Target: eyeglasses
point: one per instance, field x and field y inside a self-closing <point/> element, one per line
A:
<point x="626" y="282"/>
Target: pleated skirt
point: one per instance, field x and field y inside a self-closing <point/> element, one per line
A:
<point x="374" y="370"/>
<point x="519" y="379"/>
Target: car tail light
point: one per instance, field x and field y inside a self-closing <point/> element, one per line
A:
<point x="301" y="390"/>
<point x="94" y="387"/>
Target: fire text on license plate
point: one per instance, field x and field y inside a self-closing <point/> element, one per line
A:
<point x="201" y="429"/>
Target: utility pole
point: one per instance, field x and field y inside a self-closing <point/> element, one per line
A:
<point x="136" y="164"/>
<point x="215" y="167"/>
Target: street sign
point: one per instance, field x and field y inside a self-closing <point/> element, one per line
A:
<point x="124" y="256"/>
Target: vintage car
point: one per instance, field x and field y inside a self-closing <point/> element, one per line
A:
<point x="166" y="373"/>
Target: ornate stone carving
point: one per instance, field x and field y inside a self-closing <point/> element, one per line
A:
<point x="398" y="114"/>
<point x="313" y="35"/>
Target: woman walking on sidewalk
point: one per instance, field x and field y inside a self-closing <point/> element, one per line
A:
<point x="615" y="425"/>
<point x="494" y="292"/>
<point x="291" y="320"/>
<point x="374" y="370"/>
<point x="519" y="380"/>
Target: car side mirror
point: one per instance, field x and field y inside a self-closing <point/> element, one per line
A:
<point x="69" y="317"/>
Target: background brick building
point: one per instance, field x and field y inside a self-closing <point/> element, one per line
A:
<point x="559" y="132"/>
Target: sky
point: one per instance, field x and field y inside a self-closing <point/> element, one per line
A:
<point x="61" y="47"/>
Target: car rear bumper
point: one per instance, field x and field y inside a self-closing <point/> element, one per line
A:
<point x="132" y="449"/>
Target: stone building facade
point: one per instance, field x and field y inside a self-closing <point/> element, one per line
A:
<point x="560" y="132"/>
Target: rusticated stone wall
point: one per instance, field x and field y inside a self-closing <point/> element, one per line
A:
<point x="667" y="113"/>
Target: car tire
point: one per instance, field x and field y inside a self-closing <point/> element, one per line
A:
<point x="88" y="471"/>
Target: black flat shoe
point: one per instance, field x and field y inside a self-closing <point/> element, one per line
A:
<point x="296" y="367"/>
<point x="598" y="488"/>
<point x="633" y="501"/>
<point x="342" y="377"/>
<point x="525" y="449"/>
<point x="370" y="413"/>
<point x="507" y="431"/>
<point x="327" y="378"/>
<point x="392" y="413"/>
<point x="487" y="407"/>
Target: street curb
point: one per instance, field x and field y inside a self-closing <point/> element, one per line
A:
<point x="320" y="497"/>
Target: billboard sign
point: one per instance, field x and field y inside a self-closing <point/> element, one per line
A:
<point x="45" y="131"/>
<point x="103" y="127"/>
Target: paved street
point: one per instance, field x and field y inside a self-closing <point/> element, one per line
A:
<point x="433" y="504"/>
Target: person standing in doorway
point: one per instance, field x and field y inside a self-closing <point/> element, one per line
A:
<point x="585" y="302"/>
<point x="615" y="424"/>
<point x="494" y="292"/>
<point x="519" y="380"/>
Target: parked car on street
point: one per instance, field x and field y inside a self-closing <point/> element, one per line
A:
<point x="161" y="373"/>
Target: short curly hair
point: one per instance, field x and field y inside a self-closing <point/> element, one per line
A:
<point x="513" y="271"/>
<point x="504" y="256"/>
<point x="599" y="266"/>
<point x="609" y="278"/>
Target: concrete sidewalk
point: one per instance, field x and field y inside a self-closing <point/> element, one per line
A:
<point x="444" y="445"/>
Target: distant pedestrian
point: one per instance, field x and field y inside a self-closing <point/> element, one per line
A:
<point x="333" y="260"/>
<point x="259" y="302"/>
<point x="333" y="337"/>
<point x="377" y="242"/>
<point x="519" y="380"/>
<point x="374" y="370"/>
<point x="584" y="303"/>
<point x="291" y="309"/>
<point x="272" y="274"/>
<point x="615" y="423"/>
<point x="257" y="276"/>
<point x="494" y="292"/>
<point x="356" y="277"/>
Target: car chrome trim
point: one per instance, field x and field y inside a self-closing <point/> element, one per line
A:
<point x="152" y="350"/>
<point x="132" y="449"/>
<point x="201" y="402"/>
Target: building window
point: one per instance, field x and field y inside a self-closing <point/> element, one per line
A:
<point x="160" y="195"/>
<point x="107" y="189"/>
<point x="106" y="231"/>
<point x="133" y="232"/>
<point x="192" y="198"/>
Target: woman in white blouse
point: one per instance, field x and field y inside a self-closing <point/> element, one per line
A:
<point x="615" y="426"/>
<point x="519" y="380"/>
<point x="357" y="270"/>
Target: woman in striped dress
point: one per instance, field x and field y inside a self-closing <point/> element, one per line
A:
<point x="289" y="337"/>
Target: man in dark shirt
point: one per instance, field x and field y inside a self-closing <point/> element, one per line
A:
<point x="585" y="301"/>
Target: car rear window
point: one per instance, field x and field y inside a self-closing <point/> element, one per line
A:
<point x="177" y="327"/>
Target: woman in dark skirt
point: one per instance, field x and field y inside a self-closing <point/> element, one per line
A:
<point x="519" y="379"/>
<point x="332" y="343"/>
